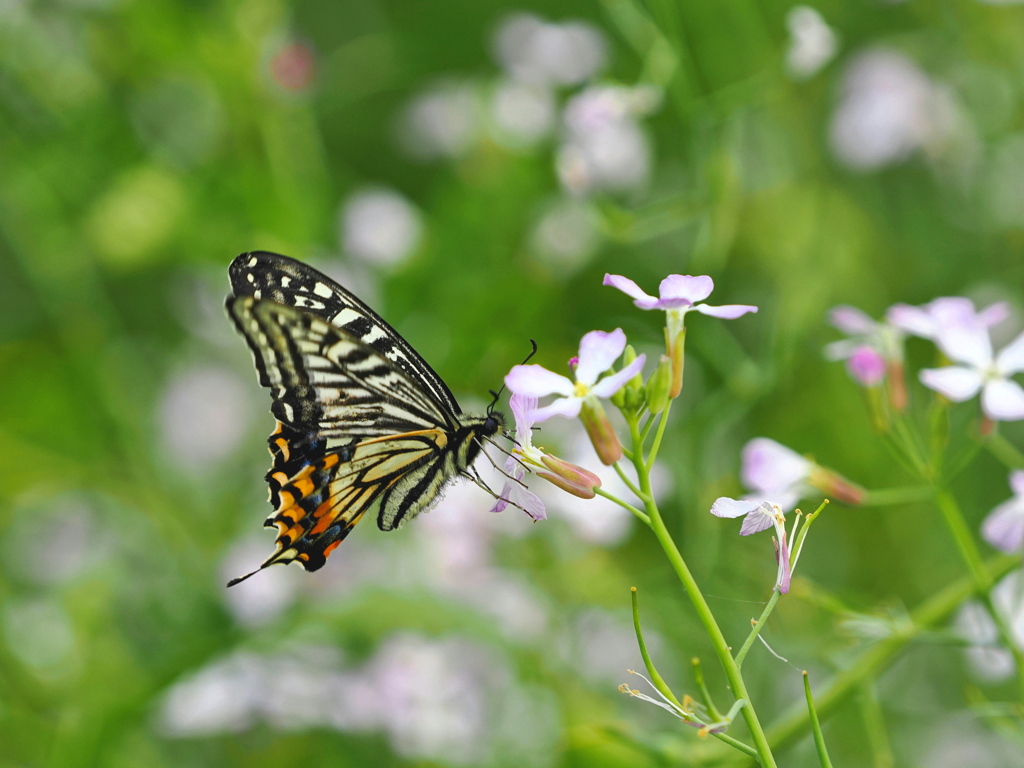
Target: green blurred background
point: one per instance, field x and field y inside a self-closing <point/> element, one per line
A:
<point x="472" y="170"/>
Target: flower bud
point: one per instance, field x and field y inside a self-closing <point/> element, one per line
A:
<point x="599" y="429"/>
<point x="569" y="477"/>
<point x="674" y="345"/>
<point x="659" y="386"/>
<point x="835" y="485"/>
<point x="631" y="396"/>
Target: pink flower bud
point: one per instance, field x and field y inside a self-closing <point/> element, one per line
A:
<point x="600" y="431"/>
<point x="569" y="477"/>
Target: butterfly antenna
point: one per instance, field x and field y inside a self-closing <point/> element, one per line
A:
<point x="497" y="394"/>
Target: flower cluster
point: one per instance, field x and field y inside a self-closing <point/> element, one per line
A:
<point x="874" y="351"/>
<point x="593" y="379"/>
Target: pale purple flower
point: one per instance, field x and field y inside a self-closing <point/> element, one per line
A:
<point x="680" y="294"/>
<point x="772" y="471"/>
<point x="515" y="491"/>
<point x="928" y="321"/>
<point x="1002" y="398"/>
<point x="598" y="351"/>
<point x="988" y="656"/>
<point x="1004" y="527"/>
<point x="883" y="337"/>
<point x="759" y="516"/>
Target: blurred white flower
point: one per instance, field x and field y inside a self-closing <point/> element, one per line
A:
<point x="442" y="121"/>
<point x="436" y="697"/>
<point x="812" y="43"/>
<point x="889" y="109"/>
<point x="38" y="631"/>
<point x="989" y="660"/>
<point x="220" y="698"/>
<point x="522" y="113"/>
<point x="604" y="147"/>
<point x="203" y="415"/>
<point x="601" y="647"/>
<point x="534" y="51"/>
<point x="380" y="226"/>
<point x="566" y="235"/>
<point x="74" y="540"/>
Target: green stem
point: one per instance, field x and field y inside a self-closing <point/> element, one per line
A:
<point x="657" y="679"/>
<point x="872" y="661"/>
<point x="892" y="496"/>
<point x="756" y="630"/>
<point x="702" y="686"/>
<point x="629" y="483"/>
<point x="972" y="558"/>
<point x="657" y="440"/>
<point x="819" y="739"/>
<point x="624" y="504"/>
<point x="1005" y="451"/>
<point x="700" y="605"/>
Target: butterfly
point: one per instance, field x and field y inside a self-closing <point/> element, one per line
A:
<point x="364" y="425"/>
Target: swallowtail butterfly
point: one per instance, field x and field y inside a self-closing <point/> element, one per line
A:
<point x="363" y="423"/>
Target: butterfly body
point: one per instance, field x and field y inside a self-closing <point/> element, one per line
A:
<point x="364" y="425"/>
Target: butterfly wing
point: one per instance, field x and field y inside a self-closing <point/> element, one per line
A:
<point x="270" y="276"/>
<point x="355" y="432"/>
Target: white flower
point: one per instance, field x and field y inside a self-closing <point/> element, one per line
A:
<point x="759" y="516"/>
<point x="598" y="350"/>
<point x="535" y="51"/>
<point x="380" y="226"/>
<point x="890" y="108"/>
<point x="812" y="43"/>
<point x="1004" y="526"/>
<point x="1002" y="398"/>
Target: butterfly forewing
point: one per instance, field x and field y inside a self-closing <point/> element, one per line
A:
<point x="283" y="280"/>
<point x="364" y="425"/>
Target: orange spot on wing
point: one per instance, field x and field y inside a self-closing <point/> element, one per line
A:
<point x="330" y="548"/>
<point x="303" y="485"/>
<point x="282" y="445"/>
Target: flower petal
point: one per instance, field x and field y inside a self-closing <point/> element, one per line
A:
<point x="769" y="466"/>
<point x="954" y="381"/>
<point x="965" y="341"/>
<point x="1003" y="400"/>
<point x="530" y="502"/>
<point x="913" y="320"/>
<point x="609" y="385"/>
<point x="686" y="287"/>
<point x="851" y="320"/>
<point x="994" y="314"/>
<point x="758" y="519"/>
<point x="1004" y="527"/>
<point x="569" y="407"/>
<point x="726" y="507"/>
<point x="598" y="350"/>
<point x="628" y="287"/>
<point x="537" y="381"/>
<point x="1011" y="359"/>
<point x="522" y="408"/>
<point x="840" y="350"/>
<point x="1017" y="482"/>
<point x="726" y="311"/>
